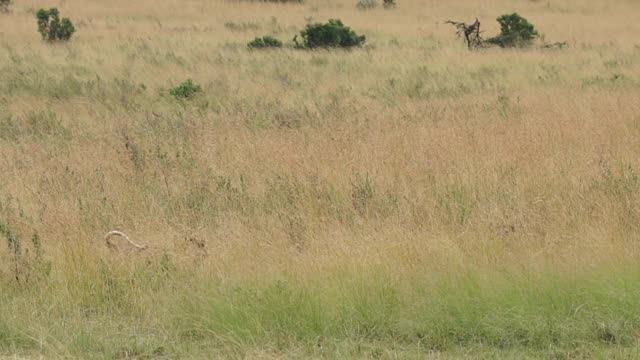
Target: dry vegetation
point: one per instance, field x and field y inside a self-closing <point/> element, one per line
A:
<point x="406" y="199"/>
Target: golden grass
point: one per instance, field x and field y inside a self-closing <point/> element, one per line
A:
<point x="521" y="137"/>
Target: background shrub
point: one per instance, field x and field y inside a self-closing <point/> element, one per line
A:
<point x="52" y="28"/>
<point x="185" y="90"/>
<point x="331" y="34"/>
<point x="514" y="31"/>
<point x="367" y="4"/>
<point x="389" y="4"/>
<point x="265" y="42"/>
<point x="4" y="6"/>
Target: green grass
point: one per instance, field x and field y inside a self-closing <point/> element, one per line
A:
<point x="151" y="312"/>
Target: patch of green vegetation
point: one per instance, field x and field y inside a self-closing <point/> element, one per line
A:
<point x="186" y="90"/>
<point x="265" y="42"/>
<point x="530" y="313"/>
<point x="367" y="4"/>
<point x="515" y="31"/>
<point x="52" y="28"/>
<point x="154" y="308"/>
<point x="389" y="4"/>
<point x="332" y="34"/>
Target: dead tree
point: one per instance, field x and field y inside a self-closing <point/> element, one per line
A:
<point x="471" y="33"/>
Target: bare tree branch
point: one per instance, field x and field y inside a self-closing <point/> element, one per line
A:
<point x="471" y="33"/>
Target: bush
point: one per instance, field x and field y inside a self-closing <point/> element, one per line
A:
<point x="389" y="4"/>
<point x="367" y="4"/>
<point x="4" y="6"/>
<point x="52" y="28"/>
<point x="186" y="90"/>
<point x="331" y="34"/>
<point x="514" y="31"/>
<point x="265" y="42"/>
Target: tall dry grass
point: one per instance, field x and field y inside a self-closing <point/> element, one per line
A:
<point x="411" y="161"/>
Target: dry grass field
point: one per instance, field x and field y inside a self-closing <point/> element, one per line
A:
<point x="407" y="199"/>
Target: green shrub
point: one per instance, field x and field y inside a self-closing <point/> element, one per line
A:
<point x="367" y="4"/>
<point x="185" y="90"/>
<point x="52" y="28"/>
<point x="4" y="6"/>
<point x="389" y="4"/>
<point x="265" y="42"/>
<point x="331" y="34"/>
<point x="514" y="31"/>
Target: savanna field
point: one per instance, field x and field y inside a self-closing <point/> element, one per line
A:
<point x="406" y="199"/>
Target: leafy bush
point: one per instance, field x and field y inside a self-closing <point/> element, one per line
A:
<point x="389" y="4"/>
<point x="52" y="28"/>
<point x="186" y="90"/>
<point x="265" y="42"/>
<point x="366" y="4"/>
<point x="331" y="34"/>
<point x="514" y="31"/>
<point x="4" y="6"/>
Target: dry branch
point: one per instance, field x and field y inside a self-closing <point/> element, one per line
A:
<point x="471" y="33"/>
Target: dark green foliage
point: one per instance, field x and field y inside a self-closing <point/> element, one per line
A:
<point x="389" y="4"/>
<point x="514" y="31"/>
<point x="265" y="42"/>
<point x="185" y="90"/>
<point x="52" y="28"/>
<point x="4" y="6"/>
<point x="331" y="34"/>
<point x="367" y="4"/>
